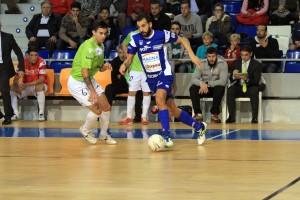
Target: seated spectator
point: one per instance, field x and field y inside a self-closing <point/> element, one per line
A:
<point x="177" y="51"/>
<point x="282" y="12"/>
<point x="61" y="7"/>
<point x="244" y="85"/>
<point x="90" y="9"/>
<point x="120" y="6"/>
<point x="12" y="7"/>
<point x="254" y="12"/>
<point x="191" y="25"/>
<point x="73" y="29"/>
<point x="34" y="82"/>
<point x="234" y="50"/>
<point x="264" y="46"/>
<point x="111" y="33"/>
<point x="119" y="85"/>
<point x="160" y="21"/>
<point x="219" y="25"/>
<point x="209" y="81"/>
<point x="172" y="6"/>
<point x="296" y="28"/>
<point x="43" y="29"/>
<point x="207" y="38"/>
<point x="134" y="8"/>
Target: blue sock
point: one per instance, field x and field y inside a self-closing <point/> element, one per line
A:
<point x="184" y="117"/>
<point x="164" y="121"/>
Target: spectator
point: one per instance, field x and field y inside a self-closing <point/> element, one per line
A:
<point x="296" y="28"/>
<point x="209" y="81"/>
<point x="61" y="7"/>
<point x="177" y="51"/>
<point x="201" y="8"/>
<point x="207" y="38"/>
<point x="264" y="46"/>
<point x="234" y="50"/>
<point x="111" y="31"/>
<point x="120" y="86"/>
<point x="34" y="82"/>
<point x="254" y="12"/>
<point x="160" y="21"/>
<point x="12" y="7"/>
<point x="90" y="9"/>
<point x="282" y="12"/>
<point x="43" y="29"/>
<point x="120" y="6"/>
<point x="191" y="26"/>
<point x="136" y="7"/>
<point x="172" y="6"/>
<point x="73" y="29"/>
<point x="219" y="25"/>
<point x="244" y="85"/>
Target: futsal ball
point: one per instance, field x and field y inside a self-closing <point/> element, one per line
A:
<point x="156" y="142"/>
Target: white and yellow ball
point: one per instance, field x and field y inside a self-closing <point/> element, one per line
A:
<point x="156" y="143"/>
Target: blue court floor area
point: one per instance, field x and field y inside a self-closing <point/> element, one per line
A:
<point x="211" y="134"/>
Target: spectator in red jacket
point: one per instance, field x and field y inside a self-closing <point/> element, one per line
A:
<point x="61" y="7"/>
<point x="136" y="7"/>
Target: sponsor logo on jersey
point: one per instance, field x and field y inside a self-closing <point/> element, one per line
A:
<point x="145" y="48"/>
<point x="157" y="47"/>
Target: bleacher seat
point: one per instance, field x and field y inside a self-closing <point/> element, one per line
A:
<point x="250" y="31"/>
<point x="44" y="54"/>
<point x="62" y="54"/>
<point x="63" y="80"/>
<point x="232" y="6"/>
<point x="292" y="66"/>
<point x="103" y="78"/>
<point x="113" y="54"/>
<point x="50" y="79"/>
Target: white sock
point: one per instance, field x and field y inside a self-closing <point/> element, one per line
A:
<point x="41" y="101"/>
<point x="146" y="105"/>
<point x="104" y="121"/>
<point x="91" y="118"/>
<point x="14" y="102"/>
<point x="130" y="106"/>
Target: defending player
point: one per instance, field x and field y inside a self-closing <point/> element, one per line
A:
<point x="88" y="60"/>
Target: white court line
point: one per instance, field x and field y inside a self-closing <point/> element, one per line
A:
<point x="223" y="134"/>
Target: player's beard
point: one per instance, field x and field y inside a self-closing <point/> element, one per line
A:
<point x="146" y="34"/>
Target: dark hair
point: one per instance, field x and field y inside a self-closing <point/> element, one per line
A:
<point x="76" y="4"/>
<point x="99" y="24"/>
<point x="177" y="23"/>
<point x="143" y="16"/>
<point x="219" y="5"/>
<point x="105" y="8"/>
<point x="32" y="48"/>
<point x="212" y="50"/>
<point x="155" y="2"/>
<point x="185" y="2"/>
<point x="266" y="28"/>
<point x="247" y="48"/>
<point x="46" y="2"/>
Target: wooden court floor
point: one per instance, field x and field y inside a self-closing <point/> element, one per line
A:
<point x="71" y="168"/>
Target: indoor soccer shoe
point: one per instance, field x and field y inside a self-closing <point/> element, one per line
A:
<point x="107" y="139"/>
<point x="215" y="118"/>
<point x="15" y="117"/>
<point x="126" y="121"/>
<point x="145" y="121"/>
<point x="198" y="117"/>
<point x="168" y="142"/>
<point x="201" y="134"/>
<point x="88" y="135"/>
<point x="41" y="117"/>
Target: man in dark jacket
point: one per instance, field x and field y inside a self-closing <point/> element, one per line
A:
<point x="264" y="46"/>
<point x="43" y="29"/>
<point x="160" y="21"/>
<point x="7" y="71"/>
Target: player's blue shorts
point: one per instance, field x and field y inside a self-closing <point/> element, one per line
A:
<point x="161" y="82"/>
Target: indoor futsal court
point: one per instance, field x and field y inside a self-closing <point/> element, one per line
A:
<point x="51" y="160"/>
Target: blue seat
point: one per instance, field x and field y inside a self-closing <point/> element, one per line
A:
<point x="233" y="22"/>
<point x="62" y="54"/>
<point x="246" y="32"/>
<point x="44" y="54"/>
<point x="232" y="6"/>
<point x="292" y="66"/>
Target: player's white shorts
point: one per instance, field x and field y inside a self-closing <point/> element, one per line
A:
<point x="30" y="90"/>
<point x="137" y="81"/>
<point x="81" y="92"/>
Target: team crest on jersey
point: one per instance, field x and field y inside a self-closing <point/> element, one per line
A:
<point x="141" y="42"/>
<point x="98" y="51"/>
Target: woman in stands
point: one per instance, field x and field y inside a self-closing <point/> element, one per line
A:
<point x="254" y="12"/>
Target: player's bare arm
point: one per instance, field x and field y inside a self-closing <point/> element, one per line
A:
<point x="86" y="77"/>
<point x="126" y="64"/>
<point x="106" y="66"/>
<point x="187" y="46"/>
